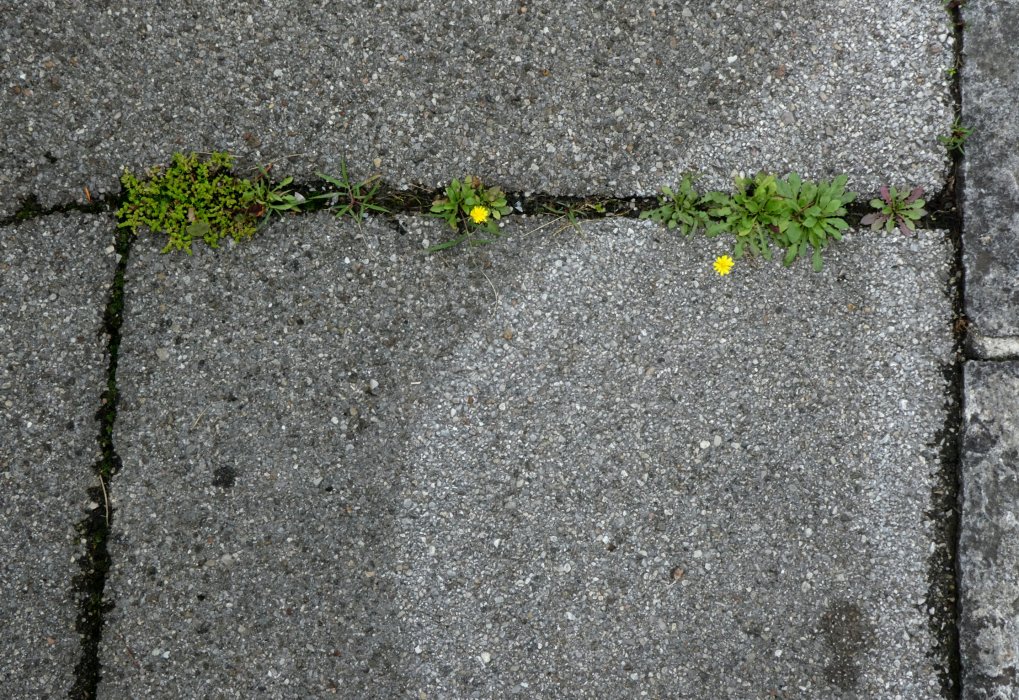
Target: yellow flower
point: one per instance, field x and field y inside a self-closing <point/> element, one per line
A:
<point x="479" y="215"/>
<point x="723" y="264"/>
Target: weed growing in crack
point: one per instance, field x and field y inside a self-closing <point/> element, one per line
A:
<point x="351" y="197"/>
<point x="896" y="208"/>
<point x="192" y="199"/>
<point x="797" y="216"/>
<point x="469" y="207"/>
<point x="573" y="212"/>
<point x="265" y="198"/>
<point x="680" y="209"/>
<point x="956" y="139"/>
<point x="812" y="213"/>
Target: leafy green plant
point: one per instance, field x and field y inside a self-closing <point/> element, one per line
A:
<point x="810" y="214"/>
<point x="469" y="207"/>
<point x="798" y="216"/>
<point x="352" y="197"/>
<point x="956" y="140"/>
<point x="896" y="208"/>
<point x="749" y="213"/>
<point x="266" y="198"/>
<point x="679" y="209"/>
<point x="192" y="198"/>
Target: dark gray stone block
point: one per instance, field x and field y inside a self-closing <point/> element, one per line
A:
<point x="989" y="542"/>
<point x="990" y="93"/>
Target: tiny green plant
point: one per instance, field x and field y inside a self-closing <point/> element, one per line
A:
<point x="266" y="198"/>
<point x="573" y="212"/>
<point x="956" y="140"/>
<point x="679" y="208"/>
<point x="896" y="209"/>
<point x="470" y="207"/>
<point x="354" y="198"/>
<point x="192" y="198"/>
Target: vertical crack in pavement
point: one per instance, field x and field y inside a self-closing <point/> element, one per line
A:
<point x="945" y="507"/>
<point x="94" y="529"/>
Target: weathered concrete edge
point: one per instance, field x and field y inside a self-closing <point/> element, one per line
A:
<point x="982" y="347"/>
<point x="988" y="550"/>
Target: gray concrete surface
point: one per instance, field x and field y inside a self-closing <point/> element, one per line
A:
<point x="54" y="278"/>
<point x="989" y="544"/>
<point x="990" y="91"/>
<point x="615" y="97"/>
<point x="576" y="465"/>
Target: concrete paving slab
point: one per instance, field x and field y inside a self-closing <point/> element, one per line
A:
<point x="990" y="92"/>
<point x="614" y="98"/>
<point x="578" y="465"/>
<point x="989" y="542"/>
<point x="54" y="279"/>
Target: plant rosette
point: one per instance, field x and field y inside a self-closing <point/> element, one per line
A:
<point x="896" y="209"/>
<point x="469" y="207"/>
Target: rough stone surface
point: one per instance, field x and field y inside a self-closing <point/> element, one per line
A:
<point x="990" y="92"/>
<point x="610" y="97"/>
<point x="562" y="465"/>
<point x="54" y="279"/>
<point x="989" y="543"/>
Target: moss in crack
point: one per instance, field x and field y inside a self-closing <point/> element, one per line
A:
<point x="94" y="529"/>
<point x="29" y="209"/>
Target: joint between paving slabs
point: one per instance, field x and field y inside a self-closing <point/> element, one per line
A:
<point x="94" y="528"/>
<point x="30" y="207"/>
<point x="945" y="501"/>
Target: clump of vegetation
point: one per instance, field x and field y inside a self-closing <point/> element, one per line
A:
<point x="798" y="217"/>
<point x="470" y="208"/>
<point x="194" y="198"/>
<point x="896" y="208"/>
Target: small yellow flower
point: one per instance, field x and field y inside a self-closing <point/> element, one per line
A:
<point x="479" y="215"/>
<point x="723" y="264"/>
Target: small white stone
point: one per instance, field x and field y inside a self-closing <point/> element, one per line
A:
<point x="485" y="657"/>
<point x="705" y="444"/>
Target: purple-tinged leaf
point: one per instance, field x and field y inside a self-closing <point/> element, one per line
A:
<point x="884" y="194"/>
<point x="917" y="192"/>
